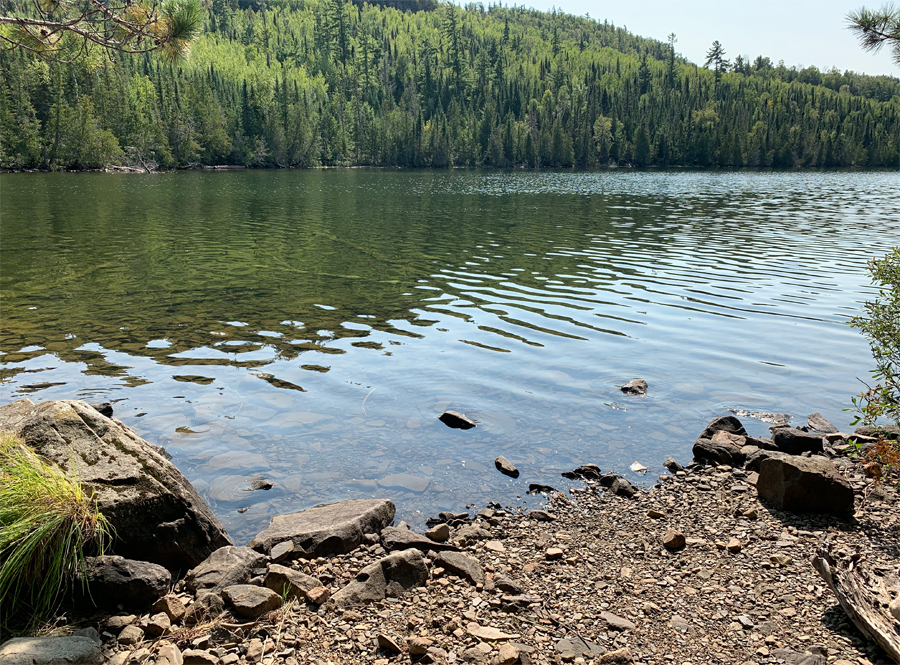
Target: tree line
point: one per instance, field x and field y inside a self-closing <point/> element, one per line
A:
<point x="301" y="83"/>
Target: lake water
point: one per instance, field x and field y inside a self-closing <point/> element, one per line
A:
<point x="308" y="327"/>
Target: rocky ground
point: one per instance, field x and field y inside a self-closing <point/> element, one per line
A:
<point x="587" y="579"/>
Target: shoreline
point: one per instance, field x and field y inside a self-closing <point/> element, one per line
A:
<point x="587" y="578"/>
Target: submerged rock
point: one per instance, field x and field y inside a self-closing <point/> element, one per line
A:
<point x="154" y="511"/>
<point x="337" y="528"/>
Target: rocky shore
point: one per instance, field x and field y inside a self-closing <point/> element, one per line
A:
<point x="710" y="565"/>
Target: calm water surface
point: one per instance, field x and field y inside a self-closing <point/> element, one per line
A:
<point x="308" y="327"/>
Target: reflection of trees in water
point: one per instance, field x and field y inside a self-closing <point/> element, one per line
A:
<point x="309" y="259"/>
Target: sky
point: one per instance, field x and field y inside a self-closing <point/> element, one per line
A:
<point x="800" y="32"/>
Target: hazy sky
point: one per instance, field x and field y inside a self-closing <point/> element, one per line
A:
<point x="800" y="32"/>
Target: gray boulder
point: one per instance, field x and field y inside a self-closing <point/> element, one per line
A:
<point x="251" y="602"/>
<point x="461" y="565"/>
<point x="390" y="577"/>
<point x="794" y="441"/>
<point x="817" y="422"/>
<point x="156" y="514"/>
<point x="337" y="528"/>
<point x="289" y="582"/>
<point x="720" y="449"/>
<point x="396" y="538"/>
<point x="804" y="485"/>
<point x="51" y="651"/>
<point x="723" y="423"/>
<point x="115" y="580"/>
<point x="225" y="567"/>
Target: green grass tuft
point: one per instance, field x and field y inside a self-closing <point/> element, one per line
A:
<point x="47" y="525"/>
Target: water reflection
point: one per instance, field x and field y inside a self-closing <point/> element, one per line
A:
<point x="307" y="328"/>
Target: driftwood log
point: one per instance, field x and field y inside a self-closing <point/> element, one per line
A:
<point x="865" y="594"/>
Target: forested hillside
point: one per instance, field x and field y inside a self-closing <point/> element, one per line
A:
<point x="339" y="82"/>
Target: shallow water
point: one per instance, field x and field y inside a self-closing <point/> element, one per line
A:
<point x="308" y="327"/>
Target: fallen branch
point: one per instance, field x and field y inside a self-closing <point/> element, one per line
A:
<point x="864" y="594"/>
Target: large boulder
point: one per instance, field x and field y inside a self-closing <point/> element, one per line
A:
<point x="115" y="580"/>
<point x="225" y="567"/>
<point x="723" y="424"/>
<point x="73" y="650"/>
<point x="804" y="485"/>
<point x="390" y="577"/>
<point x="337" y="528"/>
<point x="155" y="513"/>
<point x="723" y="448"/>
<point x="795" y="441"/>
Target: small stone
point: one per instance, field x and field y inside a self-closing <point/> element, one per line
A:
<point x="159" y="624"/>
<point x="388" y="644"/>
<point x="281" y="551"/>
<point x="506" y="467"/>
<point x="494" y="546"/>
<point x="318" y="596"/>
<point x="255" y="650"/>
<point x="171" y="605"/>
<point x="488" y="633"/>
<point x="673" y="539"/>
<point x="120" y="621"/>
<point x="131" y="634"/>
<point x="439" y="533"/>
<point x="208" y="606"/>
<point x="169" y="654"/>
<point x="418" y="646"/>
<point x="198" y="657"/>
<point x="637" y="467"/>
<point x="553" y="553"/>
<point x="672" y="465"/>
<point x="782" y="560"/>
<point x="508" y="655"/>
<point x="616" y="622"/>
<point x="655" y="514"/>
<point x="541" y="516"/>
<point x="733" y="546"/>
<point x="617" y="657"/>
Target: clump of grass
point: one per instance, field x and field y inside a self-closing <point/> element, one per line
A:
<point x="48" y="522"/>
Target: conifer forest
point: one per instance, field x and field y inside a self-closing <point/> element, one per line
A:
<point x="303" y="83"/>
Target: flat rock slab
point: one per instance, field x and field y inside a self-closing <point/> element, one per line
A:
<point x="390" y="577"/>
<point x="290" y="583"/>
<point x="579" y="646"/>
<point x="461" y="565"/>
<point x="337" y="528"/>
<point x="488" y="633"/>
<point x="225" y="567"/>
<point x="51" y="651"/>
<point x="405" y="481"/>
<point x="154" y="511"/>
<point x="395" y="538"/>
<point x="796" y="442"/>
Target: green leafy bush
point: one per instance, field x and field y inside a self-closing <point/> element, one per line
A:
<point x="47" y="525"/>
<point x="881" y="326"/>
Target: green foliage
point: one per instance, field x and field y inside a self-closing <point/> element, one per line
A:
<point x="881" y="325"/>
<point x="298" y="83"/>
<point x="877" y="28"/>
<point x="47" y="523"/>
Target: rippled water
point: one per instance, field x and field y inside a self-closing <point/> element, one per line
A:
<point x="308" y="327"/>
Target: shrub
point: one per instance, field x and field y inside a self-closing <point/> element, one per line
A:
<point x="881" y="325"/>
<point x="48" y="523"/>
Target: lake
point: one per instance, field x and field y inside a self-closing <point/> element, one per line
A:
<point x="308" y="327"/>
